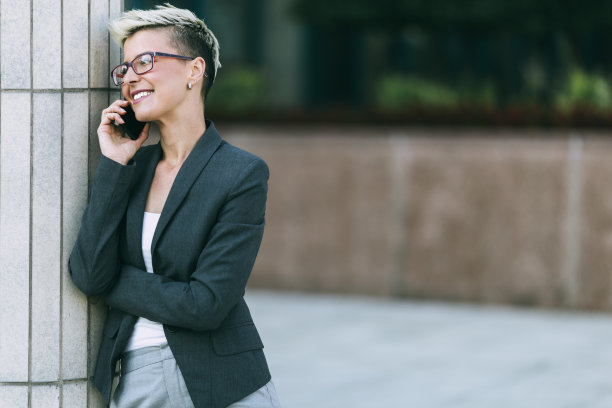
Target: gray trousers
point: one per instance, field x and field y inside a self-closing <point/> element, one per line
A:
<point x="151" y="378"/>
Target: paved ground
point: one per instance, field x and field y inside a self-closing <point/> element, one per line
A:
<point x="352" y="352"/>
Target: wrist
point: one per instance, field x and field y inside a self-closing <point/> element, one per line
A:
<point x="119" y="160"/>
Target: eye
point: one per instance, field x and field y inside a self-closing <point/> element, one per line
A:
<point x="144" y="60"/>
<point x="122" y="70"/>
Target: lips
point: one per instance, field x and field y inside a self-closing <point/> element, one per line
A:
<point x="137" y="95"/>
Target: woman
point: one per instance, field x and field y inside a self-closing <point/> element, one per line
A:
<point x="172" y="230"/>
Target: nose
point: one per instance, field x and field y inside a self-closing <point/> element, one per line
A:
<point x="130" y="76"/>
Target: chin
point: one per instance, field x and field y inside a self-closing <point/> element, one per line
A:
<point x="142" y="115"/>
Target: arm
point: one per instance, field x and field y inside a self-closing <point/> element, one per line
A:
<point x="222" y="270"/>
<point x="94" y="261"/>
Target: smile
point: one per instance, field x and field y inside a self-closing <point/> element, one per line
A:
<point x="140" y="95"/>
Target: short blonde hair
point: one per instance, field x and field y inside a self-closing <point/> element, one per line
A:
<point x="188" y="34"/>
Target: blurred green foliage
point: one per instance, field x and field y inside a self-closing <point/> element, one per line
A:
<point x="583" y="90"/>
<point x="238" y="90"/>
<point x="399" y="92"/>
<point x="482" y="53"/>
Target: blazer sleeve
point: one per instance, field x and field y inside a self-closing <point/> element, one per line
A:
<point x="94" y="263"/>
<point x="222" y="269"/>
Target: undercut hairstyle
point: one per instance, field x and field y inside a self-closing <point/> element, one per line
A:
<point x="188" y="34"/>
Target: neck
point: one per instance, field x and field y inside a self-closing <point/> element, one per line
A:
<point x="179" y="138"/>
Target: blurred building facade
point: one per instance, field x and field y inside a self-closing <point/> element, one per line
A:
<point x="485" y="62"/>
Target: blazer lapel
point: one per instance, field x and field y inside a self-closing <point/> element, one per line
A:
<point x="187" y="175"/>
<point x="135" y="211"/>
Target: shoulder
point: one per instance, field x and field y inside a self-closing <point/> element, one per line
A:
<point x="232" y="158"/>
<point x="238" y="157"/>
<point x="242" y="167"/>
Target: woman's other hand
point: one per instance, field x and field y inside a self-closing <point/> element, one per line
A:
<point x="112" y="142"/>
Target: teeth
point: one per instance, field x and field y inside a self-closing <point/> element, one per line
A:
<point x="141" y="94"/>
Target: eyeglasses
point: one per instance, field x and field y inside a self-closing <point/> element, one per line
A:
<point x="142" y="64"/>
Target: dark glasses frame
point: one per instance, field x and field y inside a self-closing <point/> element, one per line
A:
<point x="153" y="54"/>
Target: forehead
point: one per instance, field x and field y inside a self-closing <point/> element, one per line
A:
<point x="151" y="39"/>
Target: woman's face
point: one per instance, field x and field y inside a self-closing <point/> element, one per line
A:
<point x="158" y="94"/>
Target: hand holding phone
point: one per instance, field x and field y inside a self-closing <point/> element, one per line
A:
<point x="119" y="132"/>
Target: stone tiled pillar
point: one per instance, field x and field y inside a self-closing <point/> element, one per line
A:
<point x="54" y="62"/>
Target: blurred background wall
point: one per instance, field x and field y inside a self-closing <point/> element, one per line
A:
<point x="435" y="149"/>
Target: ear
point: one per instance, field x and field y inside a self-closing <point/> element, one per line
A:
<point x="197" y="69"/>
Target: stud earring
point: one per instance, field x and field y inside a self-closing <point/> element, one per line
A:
<point x="189" y="85"/>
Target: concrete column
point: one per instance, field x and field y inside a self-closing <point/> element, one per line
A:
<point x="54" y="62"/>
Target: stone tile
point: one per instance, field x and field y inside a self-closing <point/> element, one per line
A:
<point x="15" y="45"/>
<point x="75" y="167"/>
<point x="75" y="183"/>
<point x="75" y="394"/>
<point x="46" y="396"/>
<point x="486" y="220"/>
<point x="95" y="398"/>
<point x="47" y="36"/>
<point x="74" y="331"/>
<point x="595" y="280"/>
<point x="46" y="224"/>
<point x="400" y="147"/>
<point x="115" y="54"/>
<point x="98" y="102"/>
<point x="75" y="45"/>
<point x="98" y="44"/>
<point x="15" y="237"/>
<point x="13" y="396"/>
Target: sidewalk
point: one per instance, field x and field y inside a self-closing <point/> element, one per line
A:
<point x="329" y="351"/>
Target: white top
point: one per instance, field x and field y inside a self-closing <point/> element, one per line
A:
<point x="146" y="332"/>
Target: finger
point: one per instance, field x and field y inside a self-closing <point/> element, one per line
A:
<point x="113" y="108"/>
<point x="111" y="117"/>
<point x="119" y="102"/>
<point x="107" y="117"/>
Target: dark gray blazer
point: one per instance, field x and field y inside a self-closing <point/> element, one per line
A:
<point x="203" y="251"/>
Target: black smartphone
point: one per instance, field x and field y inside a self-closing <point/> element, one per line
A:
<point x="132" y="127"/>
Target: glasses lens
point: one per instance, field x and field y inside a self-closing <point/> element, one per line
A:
<point x="143" y="63"/>
<point x="119" y="73"/>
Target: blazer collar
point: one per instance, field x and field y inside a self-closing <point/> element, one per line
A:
<point x="135" y="211"/>
<point x="187" y="175"/>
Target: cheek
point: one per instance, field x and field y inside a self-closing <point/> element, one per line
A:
<point x="125" y="91"/>
<point x="171" y="92"/>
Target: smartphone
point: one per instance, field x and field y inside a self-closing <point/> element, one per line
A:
<point x="132" y="127"/>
